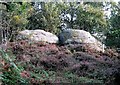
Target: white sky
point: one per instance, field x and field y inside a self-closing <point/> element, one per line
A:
<point x="116" y="0"/>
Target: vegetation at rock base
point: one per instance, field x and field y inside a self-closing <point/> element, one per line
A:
<point x="24" y="63"/>
<point x="35" y="63"/>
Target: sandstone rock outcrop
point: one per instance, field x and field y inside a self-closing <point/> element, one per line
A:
<point x="74" y="36"/>
<point x="37" y="35"/>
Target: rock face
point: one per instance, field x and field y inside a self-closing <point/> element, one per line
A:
<point x="37" y="35"/>
<point x="73" y="36"/>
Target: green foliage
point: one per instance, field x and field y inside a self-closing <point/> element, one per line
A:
<point x="46" y="19"/>
<point x="77" y="80"/>
<point x="52" y="15"/>
<point x="90" y="18"/>
<point x="87" y="16"/>
<point x="74" y="15"/>
<point x="17" y="14"/>
<point x="113" y="33"/>
<point x="11" y="74"/>
<point x="84" y="16"/>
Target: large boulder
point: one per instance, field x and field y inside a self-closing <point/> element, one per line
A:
<point x="37" y="35"/>
<point x="74" y="36"/>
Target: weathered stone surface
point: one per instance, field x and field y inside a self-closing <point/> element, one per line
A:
<point x="38" y="35"/>
<point x="74" y="36"/>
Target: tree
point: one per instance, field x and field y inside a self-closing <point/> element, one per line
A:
<point x="113" y="33"/>
<point x="17" y="13"/>
<point x="46" y="18"/>
<point x="68" y="14"/>
<point x="90" y="18"/>
<point x="84" y="16"/>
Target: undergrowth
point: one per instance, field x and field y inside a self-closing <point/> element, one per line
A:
<point x="13" y="73"/>
<point x="10" y="72"/>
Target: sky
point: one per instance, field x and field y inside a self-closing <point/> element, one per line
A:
<point x="116" y="0"/>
